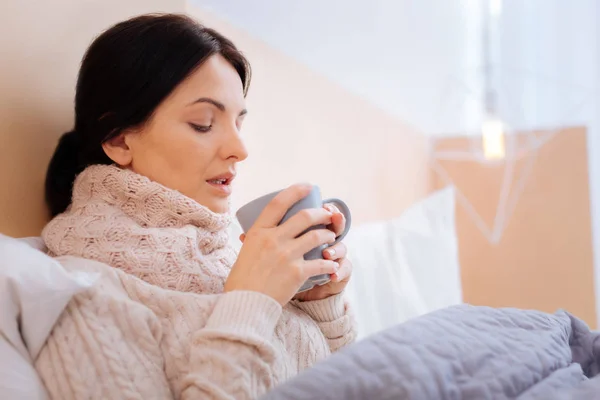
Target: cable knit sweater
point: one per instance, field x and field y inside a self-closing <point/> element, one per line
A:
<point x="157" y="325"/>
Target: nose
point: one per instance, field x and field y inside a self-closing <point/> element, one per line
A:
<point x="234" y="148"/>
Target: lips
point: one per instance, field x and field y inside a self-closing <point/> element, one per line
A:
<point x="218" y="181"/>
<point x="223" y="179"/>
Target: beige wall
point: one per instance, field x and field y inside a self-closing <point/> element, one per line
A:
<point x="303" y="127"/>
<point x="41" y="45"/>
<point x="544" y="259"/>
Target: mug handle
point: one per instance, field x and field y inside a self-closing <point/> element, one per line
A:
<point x="346" y="211"/>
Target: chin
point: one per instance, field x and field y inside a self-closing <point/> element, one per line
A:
<point x="219" y="206"/>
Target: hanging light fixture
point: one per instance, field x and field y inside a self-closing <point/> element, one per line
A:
<point x="492" y="131"/>
<point x="492" y="128"/>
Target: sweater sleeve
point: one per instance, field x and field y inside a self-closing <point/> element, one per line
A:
<point x="103" y="347"/>
<point x="233" y="356"/>
<point x="334" y="317"/>
<point x="108" y="347"/>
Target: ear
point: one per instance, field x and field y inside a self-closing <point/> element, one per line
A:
<point x="118" y="150"/>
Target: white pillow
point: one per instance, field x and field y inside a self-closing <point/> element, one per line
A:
<point x="407" y="266"/>
<point x="34" y="290"/>
<point x="235" y="230"/>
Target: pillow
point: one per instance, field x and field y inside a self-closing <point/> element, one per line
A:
<point x="405" y="267"/>
<point x="235" y="230"/>
<point x="34" y="290"/>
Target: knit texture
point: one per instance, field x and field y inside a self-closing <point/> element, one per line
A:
<point x="158" y="326"/>
<point x="125" y="220"/>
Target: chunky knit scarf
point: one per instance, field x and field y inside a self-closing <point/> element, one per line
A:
<point x="125" y="220"/>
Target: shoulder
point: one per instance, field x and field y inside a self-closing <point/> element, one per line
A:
<point x="125" y="290"/>
<point x="107" y="280"/>
<point x="109" y="297"/>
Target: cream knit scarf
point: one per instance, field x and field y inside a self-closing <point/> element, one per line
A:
<point x="125" y="220"/>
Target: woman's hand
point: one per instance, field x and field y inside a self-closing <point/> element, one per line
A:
<point x="271" y="260"/>
<point x="337" y="253"/>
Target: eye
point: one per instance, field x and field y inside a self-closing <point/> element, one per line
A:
<point x="240" y="121"/>
<point x="200" y="128"/>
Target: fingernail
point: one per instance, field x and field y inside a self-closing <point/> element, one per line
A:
<point x="330" y="252"/>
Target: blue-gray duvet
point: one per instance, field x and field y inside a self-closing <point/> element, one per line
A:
<point x="462" y="352"/>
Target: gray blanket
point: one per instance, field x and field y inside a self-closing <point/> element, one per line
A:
<point x="462" y="352"/>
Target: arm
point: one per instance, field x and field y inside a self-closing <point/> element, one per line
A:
<point x="104" y="347"/>
<point x="232" y="357"/>
<point x="107" y="346"/>
<point x="334" y="317"/>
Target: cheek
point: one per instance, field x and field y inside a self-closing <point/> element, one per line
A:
<point x="171" y="156"/>
<point x="192" y="157"/>
<point x="181" y="148"/>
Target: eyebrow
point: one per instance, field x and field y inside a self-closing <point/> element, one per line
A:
<point x="216" y="103"/>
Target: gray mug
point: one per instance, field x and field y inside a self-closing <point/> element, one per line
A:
<point x="248" y="214"/>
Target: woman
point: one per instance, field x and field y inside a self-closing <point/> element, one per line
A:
<point x="142" y="185"/>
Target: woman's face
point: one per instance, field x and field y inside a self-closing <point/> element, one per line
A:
<point x="192" y="143"/>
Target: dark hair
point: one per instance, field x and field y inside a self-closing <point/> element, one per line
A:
<point x="125" y="74"/>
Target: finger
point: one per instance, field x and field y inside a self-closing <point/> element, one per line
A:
<point x="311" y="239"/>
<point x="319" y="267"/>
<point x="331" y="207"/>
<point x="338" y="221"/>
<point x="305" y="219"/>
<point x="274" y="212"/>
<point x="335" y="252"/>
<point x="344" y="272"/>
<point x="242" y="237"/>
